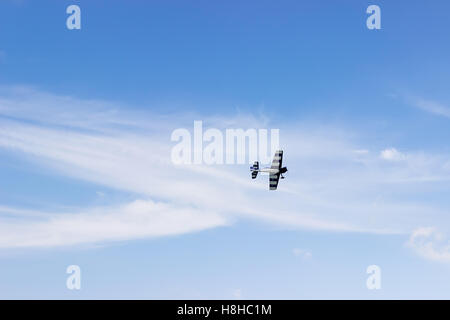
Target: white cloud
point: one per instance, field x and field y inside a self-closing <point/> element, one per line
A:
<point x="237" y="293"/>
<point x="305" y="254"/>
<point x="100" y="194"/>
<point x="361" y="151"/>
<point x="430" y="244"/>
<point x="392" y="154"/>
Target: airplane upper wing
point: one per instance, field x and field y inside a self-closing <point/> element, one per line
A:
<point x="273" y="181"/>
<point x="277" y="159"/>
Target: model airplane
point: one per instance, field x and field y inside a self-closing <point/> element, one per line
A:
<point x="275" y="171"/>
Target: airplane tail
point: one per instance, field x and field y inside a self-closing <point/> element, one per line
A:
<point x="254" y="169"/>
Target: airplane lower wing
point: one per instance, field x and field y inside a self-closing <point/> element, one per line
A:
<point x="273" y="181"/>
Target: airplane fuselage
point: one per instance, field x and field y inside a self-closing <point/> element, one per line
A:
<point x="269" y="170"/>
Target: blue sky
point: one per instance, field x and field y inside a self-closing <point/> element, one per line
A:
<point x="85" y="174"/>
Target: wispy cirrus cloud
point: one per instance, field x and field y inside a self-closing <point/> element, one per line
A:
<point x="136" y="220"/>
<point x="431" y="106"/>
<point x="329" y="187"/>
